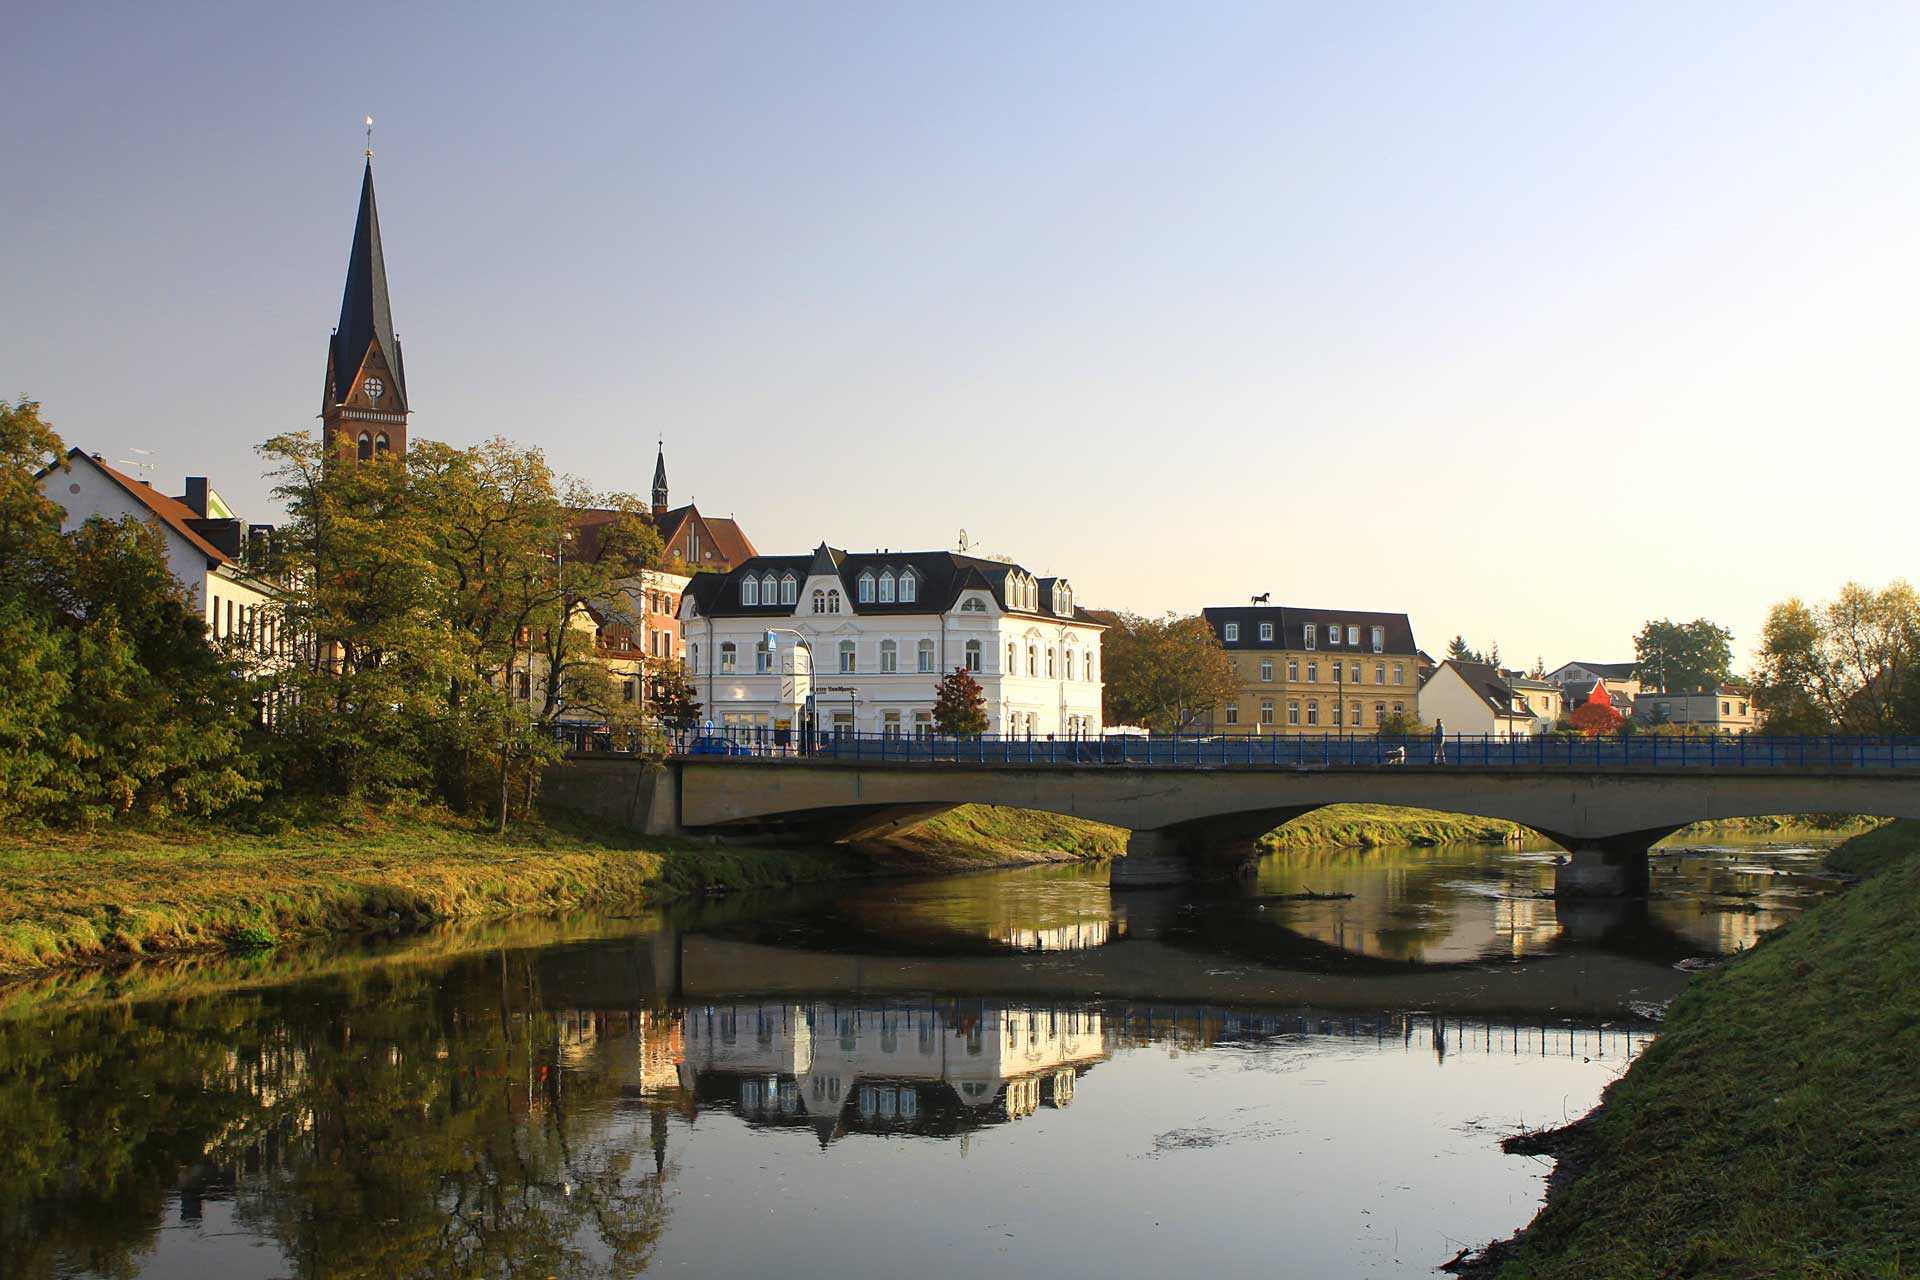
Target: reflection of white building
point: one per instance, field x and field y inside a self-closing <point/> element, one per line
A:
<point x="1078" y="936"/>
<point x="889" y="1065"/>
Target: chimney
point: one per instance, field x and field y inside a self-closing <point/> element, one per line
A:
<point x="197" y="495"/>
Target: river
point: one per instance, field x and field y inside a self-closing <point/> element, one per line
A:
<point x="1012" y="1073"/>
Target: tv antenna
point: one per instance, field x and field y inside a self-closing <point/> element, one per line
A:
<point x="138" y="463"/>
<point x="964" y="541"/>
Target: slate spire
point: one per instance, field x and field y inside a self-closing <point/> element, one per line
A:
<point x="366" y="315"/>
<point x="660" y="480"/>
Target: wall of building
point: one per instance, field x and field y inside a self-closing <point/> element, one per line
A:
<point x="1302" y="691"/>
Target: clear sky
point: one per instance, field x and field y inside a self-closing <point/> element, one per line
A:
<point x="1532" y="320"/>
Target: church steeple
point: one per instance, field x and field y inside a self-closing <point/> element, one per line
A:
<point x="660" y="481"/>
<point x="364" y="405"/>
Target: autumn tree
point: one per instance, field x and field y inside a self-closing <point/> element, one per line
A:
<point x="1680" y="656"/>
<point x="1596" y="719"/>
<point x="1163" y="673"/>
<point x="674" y="699"/>
<point x="1852" y="663"/>
<point x="959" y="705"/>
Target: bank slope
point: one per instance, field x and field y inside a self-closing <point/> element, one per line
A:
<point x="1774" y="1127"/>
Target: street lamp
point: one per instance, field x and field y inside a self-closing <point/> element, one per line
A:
<point x="813" y="667"/>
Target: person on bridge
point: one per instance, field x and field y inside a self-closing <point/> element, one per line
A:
<point x="1439" y="741"/>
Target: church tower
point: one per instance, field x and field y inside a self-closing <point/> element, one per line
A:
<point x="660" y="481"/>
<point x="363" y="408"/>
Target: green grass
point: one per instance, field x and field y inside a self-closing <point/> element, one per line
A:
<point x="1774" y="1127"/>
<point x="73" y="899"/>
<point x="1367" y="826"/>
<point x="1874" y="851"/>
<point x="981" y="834"/>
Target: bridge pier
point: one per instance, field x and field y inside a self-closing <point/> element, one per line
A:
<point x="1603" y="873"/>
<point x="1154" y="858"/>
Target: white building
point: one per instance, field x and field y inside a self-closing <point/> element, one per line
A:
<point x="885" y="628"/>
<point x="207" y="547"/>
<point x="1473" y="698"/>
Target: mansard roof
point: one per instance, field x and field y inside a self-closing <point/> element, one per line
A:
<point x="366" y="315"/>
<point x="943" y="576"/>
<point x="1290" y="624"/>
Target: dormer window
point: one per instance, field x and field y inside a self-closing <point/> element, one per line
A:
<point x="767" y="588"/>
<point x="886" y="587"/>
<point x="1233" y="633"/>
<point x="909" y="586"/>
<point x="866" y="587"/>
<point x="789" y="589"/>
<point x="1353" y="636"/>
<point x="1266" y="631"/>
<point x="749" y="590"/>
<point x="1312" y="633"/>
<point x="1333" y="634"/>
<point x="973" y="604"/>
<point x="819" y="601"/>
<point x="1379" y="639"/>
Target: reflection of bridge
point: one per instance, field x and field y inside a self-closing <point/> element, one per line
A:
<point x="1607" y="815"/>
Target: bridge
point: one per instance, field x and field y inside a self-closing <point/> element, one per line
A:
<point x="1190" y="803"/>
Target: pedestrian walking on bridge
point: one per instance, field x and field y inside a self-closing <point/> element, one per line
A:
<point x="1439" y="741"/>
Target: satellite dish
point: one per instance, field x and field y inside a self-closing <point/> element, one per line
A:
<point x="964" y="544"/>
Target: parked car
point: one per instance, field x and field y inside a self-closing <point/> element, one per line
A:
<point x="713" y="745"/>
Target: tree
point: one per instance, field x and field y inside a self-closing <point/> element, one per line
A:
<point x="1595" y="719"/>
<point x="959" y="705"/>
<point x="1163" y="673"/>
<point x="673" y="698"/>
<point x="1675" y="656"/>
<point x="1402" y="724"/>
<point x="1458" y="650"/>
<point x="1852" y="663"/>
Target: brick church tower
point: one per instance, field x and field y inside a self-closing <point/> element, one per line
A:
<point x="363" y="408"/>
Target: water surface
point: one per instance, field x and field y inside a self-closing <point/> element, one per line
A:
<point x="1022" y="1071"/>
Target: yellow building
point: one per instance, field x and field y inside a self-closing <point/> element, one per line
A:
<point x="1315" y="671"/>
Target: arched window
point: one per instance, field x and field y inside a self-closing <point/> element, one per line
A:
<point x="1033" y="659"/>
<point x="886" y="587"/>
<point x="1089" y="664"/>
<point x="1049" y="662"/>
<point x="833" y="602"/>
<point x="380" y="443"/>
<point x="819" y="602"/>
<point x="762" y="660"/>
<point x="889" y="656"/>
<point x="973" y="655"/>
<point x="846" y="656"/>
<point x="729" y="658"/>
<point x="926" y="655"/>
<point x="767" y="588"/>
<point x="1013" y="660"/>
<point x="366" y="446"/>
<point x="1066" y="668"/>
<point x="788" y="589"/>
<point x="909" y="587"/>
<point x="973" y="604"/>
<point x="749" y="590"/>
<point x="866" y="587"/>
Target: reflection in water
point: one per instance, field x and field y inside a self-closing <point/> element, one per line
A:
<point x="631" y="1097"/>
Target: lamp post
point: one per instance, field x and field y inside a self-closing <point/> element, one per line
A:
<point x="813" y="667"/>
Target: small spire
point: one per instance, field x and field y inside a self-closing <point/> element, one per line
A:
<point x="369" y="137"/>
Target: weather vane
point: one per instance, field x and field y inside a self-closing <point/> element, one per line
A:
<point x="369" y="137"/>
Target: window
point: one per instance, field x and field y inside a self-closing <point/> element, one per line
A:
<point x="1399" y="708"/>
<point x="1379" y="673"/>
<point x="767" y="588"/>
<point x="973" y="604"/>
<point x="762" y="660"/>
<point x="890" y="724"/>
<point x="1336" y="714"/>
<point x="1266" y="673"/>
<point x="1233" y="633"/>
<point x="889" y="656"/>
<point x="1233" y="713"/>
<point x="1355" y="720"/>
<point x="1266" y="631"/>
<point x="1049" y="662"/>
<point x="749" y="590"/>
<point x="1033" y="660"/>
<point x="380" y="443"/>
<point x="627" y="690"/>
<point x="819" y="601"/>
<point x="1353" y="673"/>
<point x="846" y="656"/>
<point x="909" y="586"/>
<point x="1313" y="713"/>
<point x="866" y="587"/>
<point x="1266" y="711"/>
<point x="1333" y="634"/>
<point x="1293" y="670"/>
<point x="1726" y="709"/>
<point x="1379" y="639"/>
<point x="1313" y="673"/>
<point x="1089" y="664"/>
<point x="1398" y="673"/>
<point x="1013" y="660"/>
<point x="693" y="657"/>
<point x="1310" y="634"/>
<point x="729" y="658"/>
<point x="1353" y="636"/>
<point x="526" y="685"/>
<point x="1379" y="714"/>
<point x="365" y="446"/>
<point x="973" y="655"/>
<point x="886" y="586"/>
<point x="1743" y="708"/>
<point x="924" y="650"/>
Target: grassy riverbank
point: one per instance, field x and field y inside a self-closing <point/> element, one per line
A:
<point x="976" y="835"/>
<point x="1774" y="1127"/>
<point x="74" y="899"/>
<point x="1368" y="826"/>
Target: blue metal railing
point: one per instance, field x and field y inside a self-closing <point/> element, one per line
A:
<point x="1547" y="751"/>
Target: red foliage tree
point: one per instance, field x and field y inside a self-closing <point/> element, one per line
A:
<point x="1596" y="719"/>
<point x="960" y="705"/>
